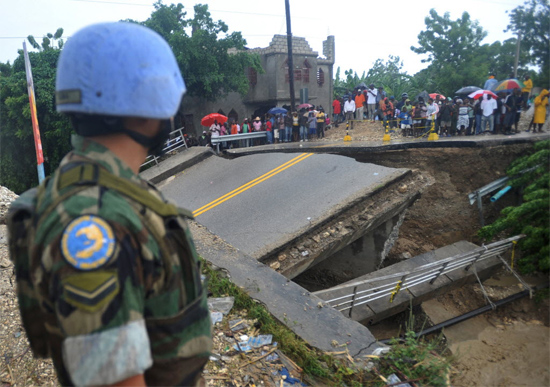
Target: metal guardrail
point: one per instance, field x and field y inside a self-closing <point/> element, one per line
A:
<point x="171" y="145"/>
<point x="235" y="137"/>
<point x="406" y="280"/>
<point x="476" y="196"/>
<point x="487" y="189"/>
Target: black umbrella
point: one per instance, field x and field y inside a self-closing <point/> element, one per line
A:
<point x="467" y="90"/>
<point x="424" y="96"/>
<point x="361" y="86"/>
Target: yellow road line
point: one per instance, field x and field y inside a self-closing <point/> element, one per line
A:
<point x="251" y="184"/>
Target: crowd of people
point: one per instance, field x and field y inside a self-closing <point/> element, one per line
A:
<point x="298" y="126"/>
<point x="490" y="113"/>
<point x="445" y="116"/>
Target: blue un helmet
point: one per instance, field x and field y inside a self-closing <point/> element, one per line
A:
<point x="118" y="69"/>
<point x="110" y="71"/>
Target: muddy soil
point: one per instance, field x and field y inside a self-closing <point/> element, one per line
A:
<point x="443" y="215"/>
<point x="506" y="347"/>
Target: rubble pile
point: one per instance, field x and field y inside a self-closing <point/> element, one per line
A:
<point x="242" y="356"/>
<point x="6" y="197"/>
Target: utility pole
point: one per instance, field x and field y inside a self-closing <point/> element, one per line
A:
<point x="290" y="60"/>
<point x="517" y="55"/>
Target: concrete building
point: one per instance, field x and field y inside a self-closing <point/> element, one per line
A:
<point x="313" y="83"/>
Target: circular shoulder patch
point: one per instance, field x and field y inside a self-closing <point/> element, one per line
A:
<point x="88" y="242"/>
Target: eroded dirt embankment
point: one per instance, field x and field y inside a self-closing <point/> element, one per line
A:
<point x="505" y="347"/>
<point x="443" y="215"/>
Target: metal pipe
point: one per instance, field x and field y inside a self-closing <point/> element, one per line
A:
<point x="465" y="316"/>
<point x="500" y="193"/>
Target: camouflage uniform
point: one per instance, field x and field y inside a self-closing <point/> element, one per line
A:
<point x="108" y="281"/>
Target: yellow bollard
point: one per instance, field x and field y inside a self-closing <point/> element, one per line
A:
<point x="347" y="137"/>
<point x="433" y="135"/>
<point x="387" y="137"/>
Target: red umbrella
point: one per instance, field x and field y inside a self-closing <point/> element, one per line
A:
<point x="479" y="93"/>
<point x="209" y="119"/>
<point x="434" y="96"/>
<point x="305" y="106"/>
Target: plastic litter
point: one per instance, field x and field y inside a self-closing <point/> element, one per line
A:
<point x="222" y="305"/>
<point x="305" y="253"/>
<point x="216" y="317"/>
<point x="289" y="379"/>
<point x="381" y="351"/>
<point x="260" y="340"/>
<point x="392" y="379"/>
<point x="253" y="342"/>
<point x="237" y="325"/>
<point x="271" y="357"/>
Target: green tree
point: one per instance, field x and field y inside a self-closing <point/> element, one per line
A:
<point x="212" y="61"/>
<point x="388" y="74"/>
<point x="17" y="152"/>
<point x="454" y="52"/>
<point x="532" y="21"/>
<point x="532" y="218"/>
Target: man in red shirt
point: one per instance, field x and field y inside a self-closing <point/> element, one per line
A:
<point x="336" y="110"/>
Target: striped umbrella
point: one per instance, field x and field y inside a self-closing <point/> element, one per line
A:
<point x="509" y="84"/>
<point x="479" y="93"/>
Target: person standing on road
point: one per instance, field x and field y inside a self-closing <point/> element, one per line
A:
<point x="488" y="108"/>
<point x="541" y="103"/>
<point x="321" y="124"/>
<point x="108" y="277"/>
<point x="371" y="102"/>
<point x="336" y="110"/>
<point x="349" y="109"/>
<point x="359" y="103"/>
<point x="526" y="91"/>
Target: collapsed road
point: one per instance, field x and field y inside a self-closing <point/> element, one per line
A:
<point x="293" y="211"/>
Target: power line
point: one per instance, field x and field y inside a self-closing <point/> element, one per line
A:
<point x="114" y="2"/>
<point x="210" y="10"/>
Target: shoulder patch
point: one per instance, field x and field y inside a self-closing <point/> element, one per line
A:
<point x="88" y="242"/>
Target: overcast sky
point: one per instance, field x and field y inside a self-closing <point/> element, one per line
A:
<point x="364" y="30"/>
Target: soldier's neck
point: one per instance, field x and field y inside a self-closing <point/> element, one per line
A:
<point x="126" y="149"/>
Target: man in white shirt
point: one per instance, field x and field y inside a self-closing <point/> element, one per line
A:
<point x="488" y="107"/>
<point x="371" y="102"/>
<point x="349" y="109"/>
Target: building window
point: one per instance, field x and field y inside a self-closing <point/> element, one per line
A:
<point x="320" y="77"/>
<point x="252" y="75"/>
<point x="305" y="71"/>
<point x="300" y="74"/>
<point x="233" y="116"/>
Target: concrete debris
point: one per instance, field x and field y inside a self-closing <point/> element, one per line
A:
<point x="222" y="305"/>
<point x="275" y="265"/>
<point x="6" y="197"/>
<point x="282" y="257"/>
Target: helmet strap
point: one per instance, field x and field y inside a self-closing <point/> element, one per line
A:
<point x="90" y="125"/>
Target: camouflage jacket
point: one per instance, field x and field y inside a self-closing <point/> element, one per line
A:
<point x="109" y="285"/>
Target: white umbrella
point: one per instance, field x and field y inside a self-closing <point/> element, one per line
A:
<point x="477" y="94"/>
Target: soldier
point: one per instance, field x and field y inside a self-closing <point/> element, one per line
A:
<point x="108" y="278"/>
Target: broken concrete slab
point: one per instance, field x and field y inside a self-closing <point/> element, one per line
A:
<point x="302" y="312"/>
